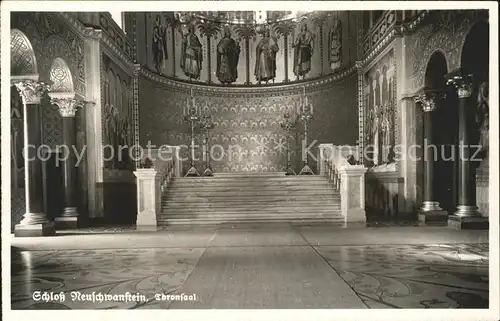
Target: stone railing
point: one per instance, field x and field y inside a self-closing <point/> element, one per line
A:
<point x="159" y="168"/>
<point x="340" y="165"/>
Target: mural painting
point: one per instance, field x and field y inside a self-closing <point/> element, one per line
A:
<point x="380" y="111"/>
<point x="303" y="51"/>
<point x="228" y="55"/>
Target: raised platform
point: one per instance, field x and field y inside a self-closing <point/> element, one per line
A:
<point x="250" y="198"/>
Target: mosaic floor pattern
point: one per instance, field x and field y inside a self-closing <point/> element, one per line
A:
<point x="232" y="268"/>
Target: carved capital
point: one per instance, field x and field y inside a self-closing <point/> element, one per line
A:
<point x="90" y="32"/>
<point x="428" y="100"/>
<point x="68" y="104"/>
<point x="31" y="91"/>
<point x="463" y="84"/>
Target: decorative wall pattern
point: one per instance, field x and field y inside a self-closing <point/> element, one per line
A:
<point x="446" y="34"/>
<point x="51" y="38"/>
<point x="334" y="48"/>
<point x="247" y="123"/>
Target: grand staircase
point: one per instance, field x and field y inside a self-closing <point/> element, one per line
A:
<point x="249" y="198"/>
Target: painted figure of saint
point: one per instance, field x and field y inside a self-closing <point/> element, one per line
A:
<point x="335" y="45"/>
<point x="159" y="44"/>
<point x="482" y="116"/>
<point x="191" y="54"/>
<point x="265" y="63"/>
<point x="228" y="54"/>
<point x="303" y="50"/>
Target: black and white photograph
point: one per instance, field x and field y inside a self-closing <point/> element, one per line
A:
<point x="260" y="160"/>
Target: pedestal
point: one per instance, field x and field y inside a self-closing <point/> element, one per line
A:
<point x="468" y="222"/>
<point x="33" y="230"/>
<point x="352" y="193"/>
<point x="148" y="198"/>
<point x="431" y="212"/>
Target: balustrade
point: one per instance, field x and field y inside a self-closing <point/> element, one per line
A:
<point x="347" y="178"/>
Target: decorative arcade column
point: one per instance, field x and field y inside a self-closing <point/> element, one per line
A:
<point x="467" y="215"/>
<point x="35" y="222"/>
<point x="68" y="106"/>
<point x="430" y="211"/>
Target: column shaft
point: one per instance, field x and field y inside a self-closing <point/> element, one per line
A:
<point x="35" y="222"/>
<point x="69" y="166"/>
<point x="33" y="165"/>
<point x="428" y="158"/>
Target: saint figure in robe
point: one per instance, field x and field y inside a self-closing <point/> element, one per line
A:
<point x="265" y="62"/>
<point x="191" y="54"/>
<point x="228" y="54"/>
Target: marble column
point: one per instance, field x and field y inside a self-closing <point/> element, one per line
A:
<point x="431" y="210"/>
<point x="35" y="222"/>
<point x="467" y="215"/>
<point x="68" y="106"/>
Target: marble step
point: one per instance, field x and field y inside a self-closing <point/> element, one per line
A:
<point x="249" y="174"/>
<point x="252" y="203"/>
<point x="251" y="185"/>
<point x="262" y="198"/>
<point x="298" y="179"/>
<point x="250" y="189"/>
<point x="255" y="192"/>
<point x="188" y="221"/>
<point x="256" y="210"/>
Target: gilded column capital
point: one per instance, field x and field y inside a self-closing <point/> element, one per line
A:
<point x="31" y="91"/>
<point x="428" y="100"/>
<point x="67" y="103"/>
<point x="463" y="84"/>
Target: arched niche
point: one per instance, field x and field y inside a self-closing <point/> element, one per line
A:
<point x="22" y="56"/>
<point x="444" y="133"/>
<point x="60" y="77"/>
<point x="475" y="52"/>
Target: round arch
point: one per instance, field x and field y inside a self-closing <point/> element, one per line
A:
<point x="445" y="132"/>
<point x="435" y="71"/>
<point x="22" y="56"/>
<point x="60" y="76"/>
<point x="474" y="58"/>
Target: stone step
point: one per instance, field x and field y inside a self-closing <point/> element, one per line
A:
<point x="253" y="203"/>
<point x="297" y="179"/>
<point x="168" y="222"/>
<point x="252" y="192"/>
<point x="177" y="184"/>
<point x="262" y="198"/>
<point x="248" y="189"/>
<point x="249" y="174"/>
<point x="255" y="209"/>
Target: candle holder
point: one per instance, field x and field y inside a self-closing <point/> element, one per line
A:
<point x="288" y="125"/>
<point x="306" y="117"/>
<point x="206" y="126"/>
<point x="193" y="118"/>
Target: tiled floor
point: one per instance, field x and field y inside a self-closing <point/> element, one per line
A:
<point x="278" y="266"/>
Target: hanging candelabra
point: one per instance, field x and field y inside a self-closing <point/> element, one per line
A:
<point x="306" y="115"/>
<point x="288" y="125"/>
<point x="206" y="126"/>
<point x="191" y="115"/>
